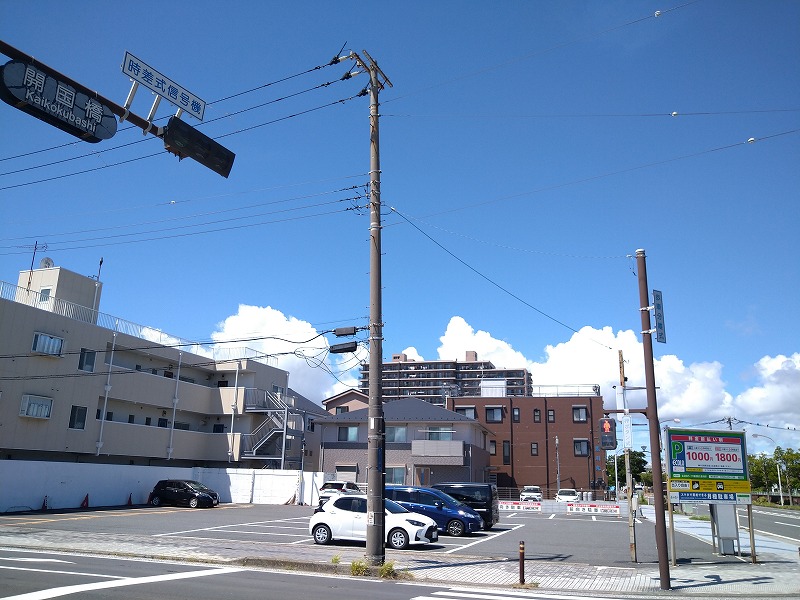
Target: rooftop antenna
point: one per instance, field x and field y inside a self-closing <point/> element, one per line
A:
<point x="33" y="258"/>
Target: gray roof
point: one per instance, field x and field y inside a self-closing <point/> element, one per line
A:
<point x="403" y="411"/>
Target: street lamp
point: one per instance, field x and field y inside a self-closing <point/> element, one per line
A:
<point x="777" y="465"/>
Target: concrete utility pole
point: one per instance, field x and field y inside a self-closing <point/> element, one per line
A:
<point x="652" y="418"/>
<point x="376" y="472"/>
<point x="628" y="479"/>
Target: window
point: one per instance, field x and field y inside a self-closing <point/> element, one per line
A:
<point x="218" y="428"/>
<point x="148" y="420"/>
<point x="395" y="475"/>
<point x="494" y="414"/>
<point x="279" y="389"/>
<point x="440" y="433"/>
<point x="551" y="415"/>
<point x="310" y="426"/>
<point x="506" y="452"/>
<point x="163" y="422"/>
<point x="86" y="361"/>
<point x="77" y="417"/>
<point x="492" y="447"/>
<point x="395" y="433"/>
<point x="467" y="411"/>
<point x="44" y="294"/>
<point x="515" y="415"/>
<point x="534" y="448"/>
<point x="537" y="415"/>
<point x="581" y="447"/>
<point x="109" y="415"/>
<point x="37" y="407"/>
<point x="348" y="434"/>
<point x="131" y="418"/>
<point x="179" y="425"/>
<point x="47" y="344"/>
<point x="579" y="414"/>
<point x="342" y="409"/>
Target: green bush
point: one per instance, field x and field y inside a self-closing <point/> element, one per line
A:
<point x="359" y="568"/>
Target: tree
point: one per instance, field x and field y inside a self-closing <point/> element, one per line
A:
<point x="638" y="466"/>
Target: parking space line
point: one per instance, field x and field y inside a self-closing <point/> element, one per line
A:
<point x="58" y="572"/>
<point x="514" y="528"/>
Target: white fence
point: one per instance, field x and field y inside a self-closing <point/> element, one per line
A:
<point x="33" y="485"/>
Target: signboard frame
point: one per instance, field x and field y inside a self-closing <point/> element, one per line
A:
<point x="707" y="466"/>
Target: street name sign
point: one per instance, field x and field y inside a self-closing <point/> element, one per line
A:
<point x="71" y="108"/>
<point x="658" y="306"/>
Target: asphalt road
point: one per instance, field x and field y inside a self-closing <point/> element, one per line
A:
<point x="581" y="538"/>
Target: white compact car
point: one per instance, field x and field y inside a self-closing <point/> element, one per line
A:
<point x="531" y="493"/>
<point x="567" y="495"/>
<point x="345" y="518"/>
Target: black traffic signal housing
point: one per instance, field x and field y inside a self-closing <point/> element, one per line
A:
<point x="183" y="140"/>
<point x="608" y="434"/>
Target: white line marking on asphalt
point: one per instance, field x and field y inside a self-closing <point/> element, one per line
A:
<point x="465" y="593"/>
<point x="104" y="585"/>
<point x="553" y="516"/>
<point x="31" y="570"/>
<point x="26" y="559"/>
<point x="514" y="528"/>
<point x="786" y="537"/>
<point x="787" y="524"/>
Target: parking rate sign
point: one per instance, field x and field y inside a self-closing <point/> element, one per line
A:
<point x="706" y="454"/>
<point x="708" y="467"/>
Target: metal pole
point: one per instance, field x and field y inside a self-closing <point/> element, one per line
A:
<point x="174" y="407"/>
<point x="376" y="476"/>
<point x="652" y="416"/>
<point x="558" y="468"/>
<point x="107" y="389"/>
<point x="752" y="533"/>
<point x="628" y="478"/>
<point x="780" y="486"/>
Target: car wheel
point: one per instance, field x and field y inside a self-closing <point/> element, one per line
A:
<point x="193" y="503"/>
<point x="321" y="534"/>
<point x="155" y="501"/>
<point x="398" y="539"/>
<point x="455" y="528"/>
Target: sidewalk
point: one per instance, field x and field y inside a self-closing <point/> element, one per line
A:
<point x="777" y="575"/>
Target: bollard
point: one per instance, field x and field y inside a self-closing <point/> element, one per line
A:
<point x="522" y="562"/>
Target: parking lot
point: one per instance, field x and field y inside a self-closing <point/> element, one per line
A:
<point x="550" y="536"/>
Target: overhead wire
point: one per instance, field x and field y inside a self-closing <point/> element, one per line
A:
<point x="185" y="217"/>
<point x="492" y="281"/>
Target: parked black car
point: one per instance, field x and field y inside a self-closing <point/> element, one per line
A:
<point x="481" y="497"/>
<point x="183" y="492"/>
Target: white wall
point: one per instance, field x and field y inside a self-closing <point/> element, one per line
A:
<point x="25" y="484"/>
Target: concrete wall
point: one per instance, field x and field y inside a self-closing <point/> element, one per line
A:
<point x="25" y="484"/>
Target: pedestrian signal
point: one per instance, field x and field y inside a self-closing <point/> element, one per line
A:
<point x="608" y="434"/>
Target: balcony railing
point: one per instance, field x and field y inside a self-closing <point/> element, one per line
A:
<point x="75" y="311"/>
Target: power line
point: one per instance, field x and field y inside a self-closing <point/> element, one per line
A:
<point x="192" y="216"/>
<point x="494" y="283"/>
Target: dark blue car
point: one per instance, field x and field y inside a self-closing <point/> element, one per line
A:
<point x="451" y="516"/>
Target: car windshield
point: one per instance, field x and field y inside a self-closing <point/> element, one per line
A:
<point x="196" y="485"/>
<point x="332" y="486"/>
<point x="448" y="497"/>
<point x="531" y="488"/>
<point x="393" y="507"/>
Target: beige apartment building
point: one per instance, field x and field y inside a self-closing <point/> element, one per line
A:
<point x="82" y="386"/>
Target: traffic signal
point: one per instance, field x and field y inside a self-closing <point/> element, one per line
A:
<point x="608" y="434"/>
<point x="184" y="140"/>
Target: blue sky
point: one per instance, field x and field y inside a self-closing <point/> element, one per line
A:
<point x="527" y="150"/>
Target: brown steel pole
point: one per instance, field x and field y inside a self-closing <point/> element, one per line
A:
<point x="652" y="418"/>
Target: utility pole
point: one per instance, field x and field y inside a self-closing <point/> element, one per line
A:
<point x="376" y="472"/>
<point x="628" y="482"/>
<point x="652" y="417"/>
